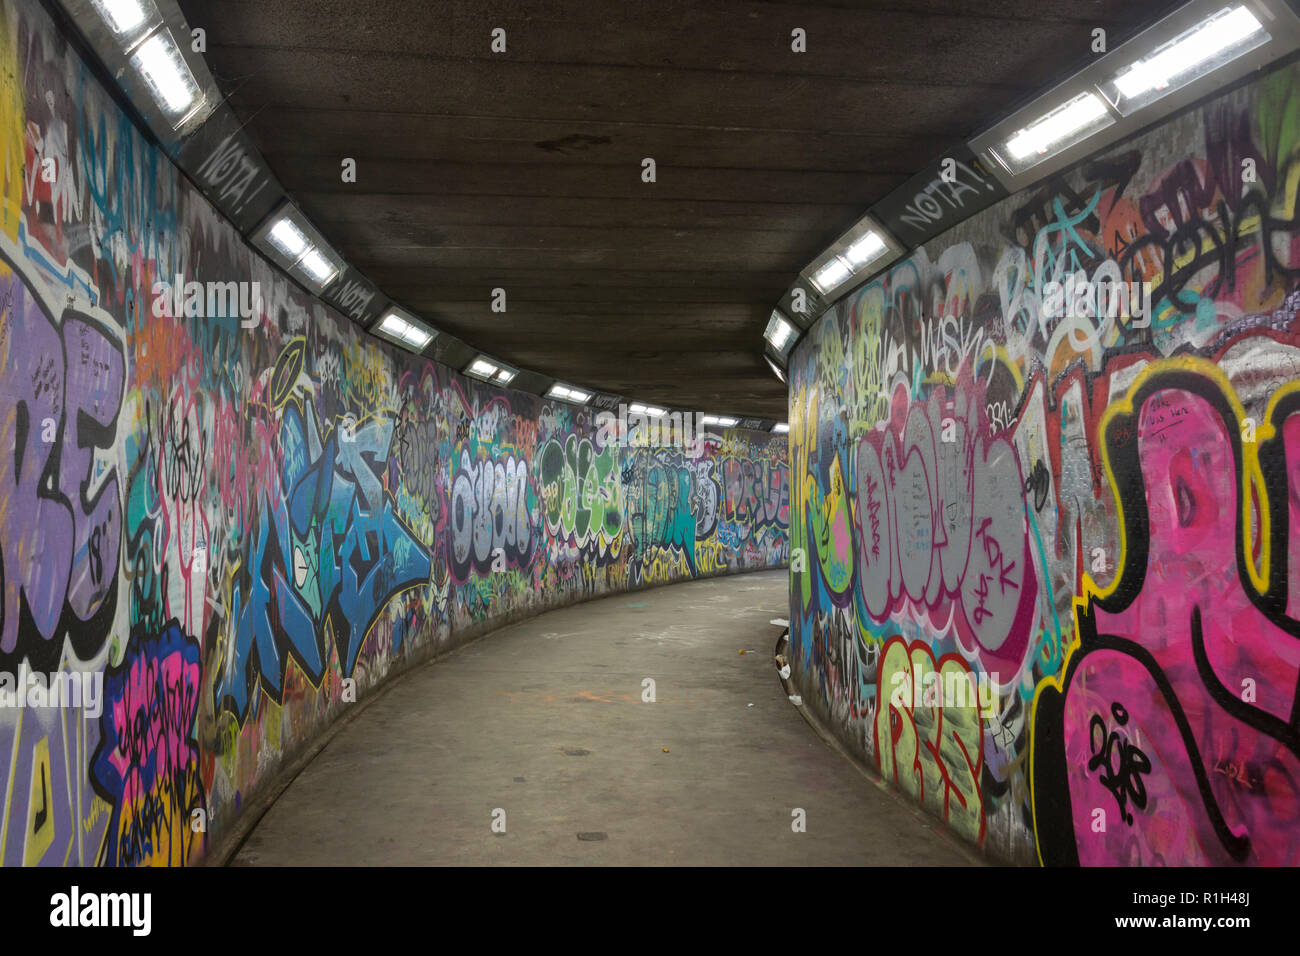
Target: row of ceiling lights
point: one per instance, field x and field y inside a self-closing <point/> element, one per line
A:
<point x="1164" y="64"/>
<point x="287" y="237"/>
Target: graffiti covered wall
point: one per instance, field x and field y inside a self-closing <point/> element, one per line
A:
<point x="1040" y="566"/>
<point x="242" y="521"/>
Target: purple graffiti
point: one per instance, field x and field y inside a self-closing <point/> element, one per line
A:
<point x="63" y="389"/>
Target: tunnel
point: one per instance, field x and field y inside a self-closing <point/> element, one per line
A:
<point x="741" y="434"/>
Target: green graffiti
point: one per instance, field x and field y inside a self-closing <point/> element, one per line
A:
<point x="580" y="491"/>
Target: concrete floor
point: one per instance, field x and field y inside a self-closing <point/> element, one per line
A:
<point x="545" y="720"/>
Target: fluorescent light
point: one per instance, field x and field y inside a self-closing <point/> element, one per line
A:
<point x="418" y="337"/>
<point x="317" y="266"/>
<point x="288" y="238"/>
<point x="122" y="16"/>
<point x="868" y="247"/>
<point x="779" y="332"/>
<point x="295" y="245"/>
<point x="776" y="369"/>
<point x="406" y="331"/>
<point x="781" y="428"/>
<point x="1216" y="40"/>
<point x="866" y="244"/>
<point x="1196" y="50"/>
<point x="568" y="393"/>
<point x="489" y="371"/>
<point x="831" y="274"/>
<point x="1199" y="44"/>
<point x="393" y="326"/>
<point x="722" y="420"/>
<point x="160" y="63"/>
<point x="638" y="409"/>
<point x="1058" y="127"/>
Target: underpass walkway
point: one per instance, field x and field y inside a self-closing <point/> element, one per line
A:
<point x="541" y="726"/>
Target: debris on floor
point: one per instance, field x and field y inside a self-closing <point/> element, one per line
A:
<point x="782" y="667"/>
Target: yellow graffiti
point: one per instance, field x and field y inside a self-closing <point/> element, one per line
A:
<point x="12" y="125"/>
<point x="366" y="377"/>
<point x="931" y="751"/>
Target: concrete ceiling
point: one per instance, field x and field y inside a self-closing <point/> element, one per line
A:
<point x="523" y="170"/>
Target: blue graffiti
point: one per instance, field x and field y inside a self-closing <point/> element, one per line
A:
<point x="332" y="548"/>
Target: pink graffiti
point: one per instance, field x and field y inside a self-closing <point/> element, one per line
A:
<point x="941" y="522"/>
<point x="756" y="491"/>
<point x="1176" y="721"/>
<point x="146" y="764"/>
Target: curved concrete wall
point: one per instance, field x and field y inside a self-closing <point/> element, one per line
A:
<point x="243" y="525"/>
<point x="1087" y="521"/>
